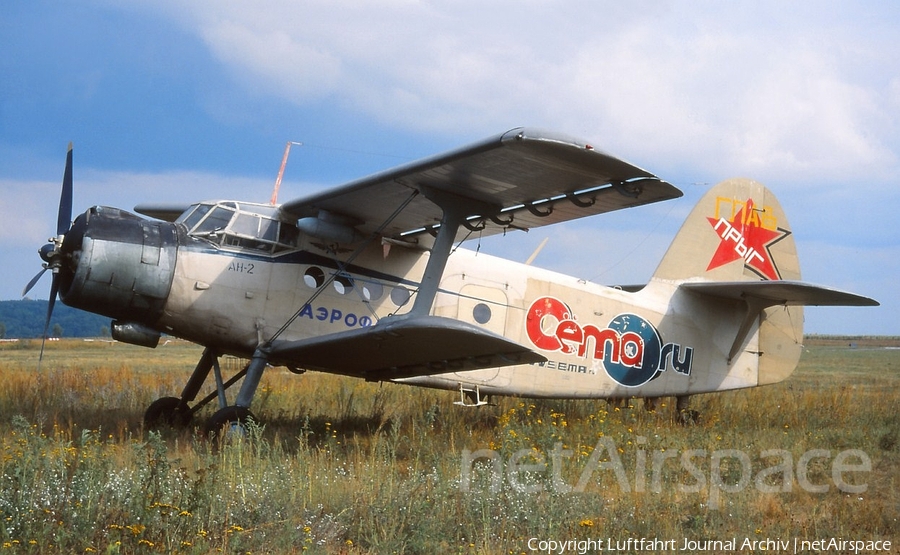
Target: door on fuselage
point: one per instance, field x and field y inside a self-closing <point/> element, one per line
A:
<point x="487" y="308"/>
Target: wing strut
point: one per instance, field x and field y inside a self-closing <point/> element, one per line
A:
<point x="455" y="211"/>
<point x="261" y="355"/>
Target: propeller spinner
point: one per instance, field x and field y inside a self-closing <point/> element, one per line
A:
<point x="52" y="253"/>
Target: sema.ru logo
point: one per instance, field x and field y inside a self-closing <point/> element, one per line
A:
<point x="629" y="347"/>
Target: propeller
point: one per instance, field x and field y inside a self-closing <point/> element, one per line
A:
<point x="52" y="252"/>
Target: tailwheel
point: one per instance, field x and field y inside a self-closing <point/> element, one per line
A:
<point x="167" y="411"/>
<point x="683" y="414"/>
<point x="229" y="422"/>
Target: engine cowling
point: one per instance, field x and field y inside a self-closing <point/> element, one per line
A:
<point x="118" y="264"/>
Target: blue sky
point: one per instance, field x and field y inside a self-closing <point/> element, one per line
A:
<point x="183" y="101"/>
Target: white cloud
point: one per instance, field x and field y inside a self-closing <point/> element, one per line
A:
<point x="30" y="209"/>
<point x="734" y="89"/>
<point x="272" y="61"/>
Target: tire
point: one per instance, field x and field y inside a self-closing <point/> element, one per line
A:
<point x="167" y="411"/>
<point x="229" y="421"/>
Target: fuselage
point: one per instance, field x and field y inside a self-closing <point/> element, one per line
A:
<point x="232" y="289"/>
<point x="599" y="341"/>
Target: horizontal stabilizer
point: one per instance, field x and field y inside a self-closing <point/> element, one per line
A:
<point x="759" y="295"/>
<point x="402" y="348"/>
<point x="779" y="293"/>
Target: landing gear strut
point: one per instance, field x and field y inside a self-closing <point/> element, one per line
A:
<point x="178" y="411"/>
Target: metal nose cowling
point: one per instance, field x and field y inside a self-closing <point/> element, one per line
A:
<point x="108" y="261"/>
<point x="122" y="265"/>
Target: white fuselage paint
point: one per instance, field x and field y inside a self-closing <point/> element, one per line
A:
<point x="234" y="303"/>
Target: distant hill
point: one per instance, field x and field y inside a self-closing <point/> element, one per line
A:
<point x="25" y="319"/>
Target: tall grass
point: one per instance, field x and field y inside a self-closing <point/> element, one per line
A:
<point x="345" y="466"/>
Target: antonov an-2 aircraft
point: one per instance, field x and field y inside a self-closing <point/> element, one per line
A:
<point x="366" y="280"/>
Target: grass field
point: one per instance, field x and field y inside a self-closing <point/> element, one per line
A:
<point x="345" y="466"/>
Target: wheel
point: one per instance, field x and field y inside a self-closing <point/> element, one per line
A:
<point x="688" y="417"/>
<point x="229" y="421"/>
<point x="683" y="414"/>
<point x="167" y="411"/>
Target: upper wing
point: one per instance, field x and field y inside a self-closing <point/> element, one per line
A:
<point x="518" y="180"/>
<point x="162" y="211"/>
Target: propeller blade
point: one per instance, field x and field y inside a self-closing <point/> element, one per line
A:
<point x="33" y="281"/>
<point x="50" y="252"/>
<point x="54" y="289"/>
<point x="64" y="219"/>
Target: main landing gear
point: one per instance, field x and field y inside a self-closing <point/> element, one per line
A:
<point x="178" y="411"/>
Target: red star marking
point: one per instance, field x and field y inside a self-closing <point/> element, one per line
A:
<point x="744" y="238"/>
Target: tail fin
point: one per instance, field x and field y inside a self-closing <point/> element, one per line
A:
<point x="736" y="232"/>
<point x="736" y="247"/>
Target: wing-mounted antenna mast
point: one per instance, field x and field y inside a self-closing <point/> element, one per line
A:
<point x="287" y="152"/>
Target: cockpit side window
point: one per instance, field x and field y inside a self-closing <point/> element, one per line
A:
<point x="254" y="232"/>
<point x="252" y="225"/>
<point x="287" y="237"/>
<point x="217" y="220"/>
<point x="236" y="226"/>
<point x="190" y="219"/>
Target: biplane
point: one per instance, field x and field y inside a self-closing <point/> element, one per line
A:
<point x="367" y="280"/>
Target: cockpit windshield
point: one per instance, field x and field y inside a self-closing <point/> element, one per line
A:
<point x="241" y="226"/>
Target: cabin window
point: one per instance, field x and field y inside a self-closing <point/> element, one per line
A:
<point x="372" y="291"/>
<point x="314" y="277"/>
<point x="400" y="295"/>
<point x="343" y="284"/>
<point x="481" y="313"/>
